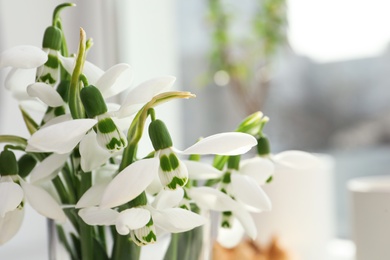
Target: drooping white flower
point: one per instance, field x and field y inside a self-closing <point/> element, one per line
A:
<point x="237" y="195"/>
<point x="64" y="136"/>
<point x="135" y="178"/>
<point x="143" y="222"/>
<point x="12" y="196"/>
<point x="208" y="198"/>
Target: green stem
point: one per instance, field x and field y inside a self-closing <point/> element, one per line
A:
<point x="86" y="231"/>
<point x="69" y="183"/>
<point x="13" y="139"/>
<point x="86" y="240"/>
<point x="61" y="190"/>
<point x="75" y="105"/>
<point x="57" y="10"/>
<point x="172" y="253"/>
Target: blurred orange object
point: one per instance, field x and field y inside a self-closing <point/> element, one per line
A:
<point x="249" y="250"/>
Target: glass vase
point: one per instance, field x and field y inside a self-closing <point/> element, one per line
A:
<point x="65" y="243"/>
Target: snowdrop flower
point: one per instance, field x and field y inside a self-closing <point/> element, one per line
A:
<point x="136" y="177"/>
<point x="13" y="191"/>
<point x="63" y="136"/>
<point x="237" y="195"/>
<point x="238" y="218"/>
<point x="145" y="222"/>
<point x="29" y="63"/>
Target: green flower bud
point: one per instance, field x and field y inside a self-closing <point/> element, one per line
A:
<point x="93" y="101"/>
<point x="263" y="146"/>
<point x="159" y="135"/>
<point x="251" y="124"/>
<point x="8" y="163"/>
<point x="52" y="38"/>
<point x="26" y="163"/>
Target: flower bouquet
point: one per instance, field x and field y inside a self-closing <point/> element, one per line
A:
<point x="80" y="167"/>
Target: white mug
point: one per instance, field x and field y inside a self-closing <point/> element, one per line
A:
<point x="370" y="217"/>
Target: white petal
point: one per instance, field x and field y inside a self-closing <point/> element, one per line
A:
<point x="131" y="219"/>
<point x="91" y="71"/>
<point x="168" y="198"/>
<point x="48" y="168"/>
<point x="246" y="190"/>
<point x="260" y="169"/>
<point x="92" y="154"/>
<point x="10" y="224"/>
<point x="42" y="202"/>
<point x="11" y="194"/>
<point x="155" y="186"/>
<point x="130" y="182"/>
<point x="224" y="144"/>
<point x="57" y="120"/>
<point x="17" y="80"/>
<point x="144" y="93"/>
<point x="157" y="250"/>
<point x="23" y="56"/>
<point x="33" y="105"/>
<point x="92" y="196"/>
<point x="97" y="216"/>
<point x="177" y="220"/>
<point x="246" y="221"/>
<point x="60" y="138"/>
<point x="201" y="171"/>
<point x="231" y="237"/>
<point x="211" y="199"/>
<point x="115" y="80"/>
<point x="46" y="93"/>
<point x="298" y="160"/>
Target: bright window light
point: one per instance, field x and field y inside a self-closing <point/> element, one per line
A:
<point x="335" y="30"/>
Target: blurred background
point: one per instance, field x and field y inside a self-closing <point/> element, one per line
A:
<point x="319" y="69"/>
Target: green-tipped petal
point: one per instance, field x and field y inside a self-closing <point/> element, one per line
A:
<point x="23" y="57"/>
<point x="131" y="219"/>
<point x="157" y="250"/>
<point x="42" y="202"/>
<point x="60" y="138"/>
<point x="10" y="224"/>
<point x="176" y="220"/>
<point x="172" y="172"/>
<point x="129" y="183"/>
<point x="46" y="93"/>
<point x="246" y="190"/>
<point x="115" y="80"/>
<point x="223" y="144"/>
<point x="48" y="168"/>
<point x="97" y="216"/>
<point x="11" y="195"/>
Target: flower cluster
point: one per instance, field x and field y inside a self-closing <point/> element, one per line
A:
<point x="80" y="165"/>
